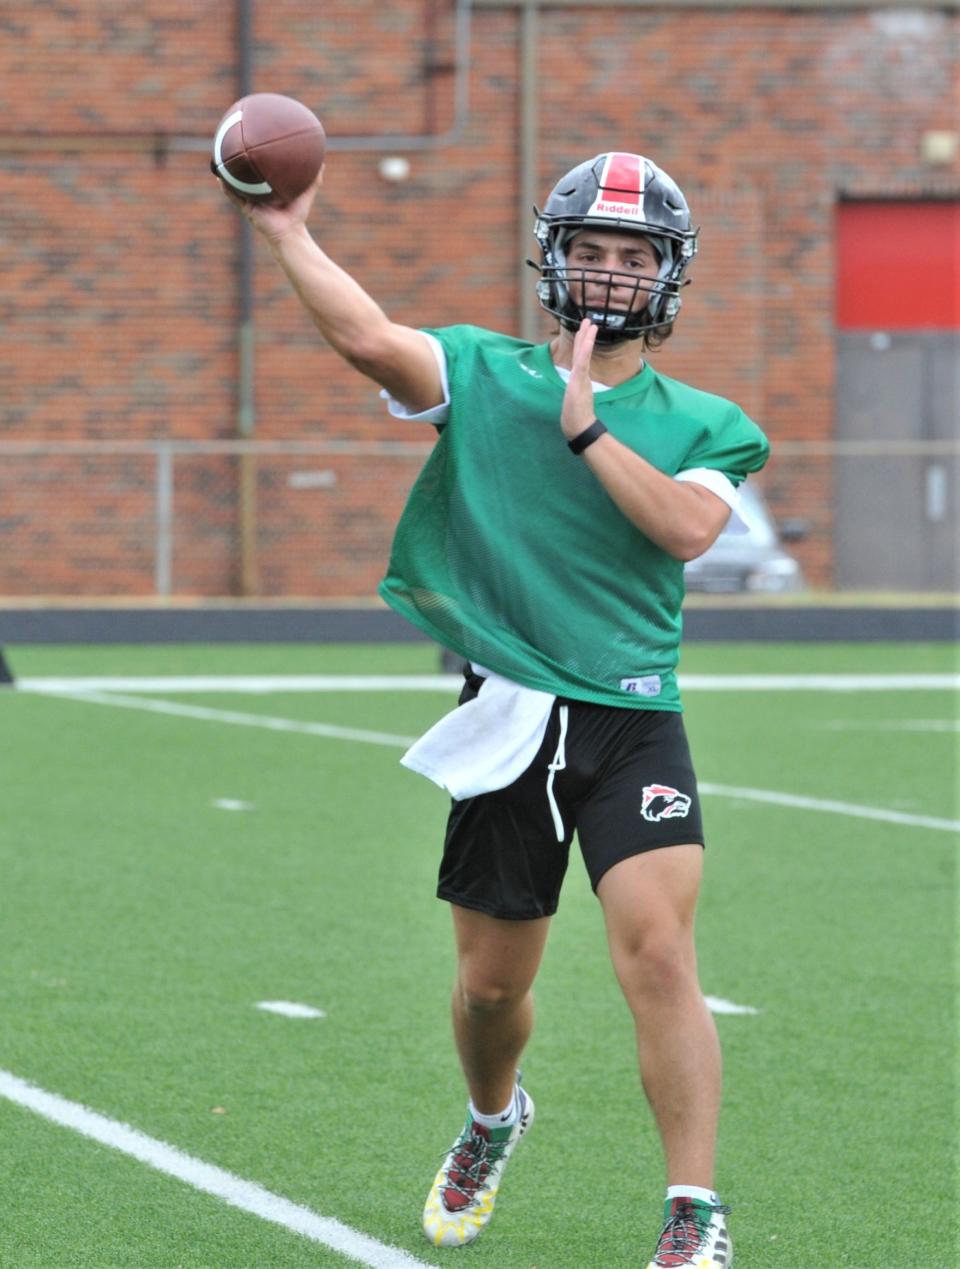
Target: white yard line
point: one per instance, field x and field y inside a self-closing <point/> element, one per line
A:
<point x="904" y="724"/>
<point x="232" y="717"/>
<point x="245" y="1195"/>
<point x="290" y="1009"/>
<point x="831" y="807"/>
<point x="716" y="1004"/>
<point x="263" y="683"/>
<point x="235" y="718"/>
<point x="818" y="682"/>
<point x="249" y="684"/>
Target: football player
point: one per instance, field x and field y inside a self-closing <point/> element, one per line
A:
<point x="544" y="543"/>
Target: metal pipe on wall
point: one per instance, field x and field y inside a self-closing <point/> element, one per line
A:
<point x="249" y="573"/>
<point x="528" y="307"/>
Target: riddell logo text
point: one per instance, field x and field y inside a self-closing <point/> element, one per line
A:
<point x="619" y="209"/>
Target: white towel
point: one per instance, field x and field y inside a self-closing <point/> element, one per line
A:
<point x="486" y="743"/>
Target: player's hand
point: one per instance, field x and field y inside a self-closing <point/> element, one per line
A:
<point x="578" y="413"/>
<point x="276" y="222"/>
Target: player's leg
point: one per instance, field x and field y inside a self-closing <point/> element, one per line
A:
<point x="648" y="904"/>
<point x="497" y="961"/>
<point x="492" y="1005"/>
<point x="501" y="873"/>
<point x="641" y="835"/>
<point x="503" y="865"/>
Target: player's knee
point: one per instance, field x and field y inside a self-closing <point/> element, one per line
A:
<point x="482" y="994"/>
<point x="661" y="965"/>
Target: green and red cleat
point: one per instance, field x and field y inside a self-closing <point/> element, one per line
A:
<point x="461" y="1200"/>
<point x="694" y="1236"/>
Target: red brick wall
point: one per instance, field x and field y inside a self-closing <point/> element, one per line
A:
<point x="119" y="297"/>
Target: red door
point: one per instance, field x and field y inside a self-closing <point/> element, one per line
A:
<point x="898" y="395"/>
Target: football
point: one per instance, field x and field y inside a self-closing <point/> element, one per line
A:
<point x="268" y="148"/>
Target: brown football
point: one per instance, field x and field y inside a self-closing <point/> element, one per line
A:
<point x="268" y="148"/>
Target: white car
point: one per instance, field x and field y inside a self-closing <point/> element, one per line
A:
<point x="756" y="561"/>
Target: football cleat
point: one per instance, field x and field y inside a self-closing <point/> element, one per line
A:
<point x="694" y="1236"/>
<point x="460" y="1202"/>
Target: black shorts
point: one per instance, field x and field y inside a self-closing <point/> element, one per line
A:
<point x="621" y="778"/>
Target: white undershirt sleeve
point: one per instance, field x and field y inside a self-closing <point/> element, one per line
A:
<point x="437" y="414"/>
<point x="725" y="489"/>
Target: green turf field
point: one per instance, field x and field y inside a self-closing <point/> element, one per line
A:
<point x="162" y="873"/>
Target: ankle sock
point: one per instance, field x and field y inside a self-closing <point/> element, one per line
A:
<point x="692" y="1192"/>
<point x="506" y="1118"/>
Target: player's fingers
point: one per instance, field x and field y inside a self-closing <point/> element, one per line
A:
<point x="583" y="343"/>
<point x="232" y="194"/>
<point x="577" y="408"/>
<point x="303" y="203"/>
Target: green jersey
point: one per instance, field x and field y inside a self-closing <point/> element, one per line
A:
<point x="510" y="551"/>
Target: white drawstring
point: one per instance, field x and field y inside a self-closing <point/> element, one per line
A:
<point x="558" y="764"/>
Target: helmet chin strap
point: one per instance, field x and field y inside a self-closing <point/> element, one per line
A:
<point x="609" y="326"/>
<point x="605" y="338"/>
<point x="608" y="336"/>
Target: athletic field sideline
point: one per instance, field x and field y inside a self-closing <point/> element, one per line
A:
<point x="225" y="1038"/>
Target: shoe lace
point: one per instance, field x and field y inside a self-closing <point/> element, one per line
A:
<point x="472" y="1158"/>
<point x="686" y="1231"/>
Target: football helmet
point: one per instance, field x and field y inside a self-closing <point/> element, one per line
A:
<point x="625" y="193"/>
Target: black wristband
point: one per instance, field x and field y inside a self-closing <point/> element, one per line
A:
<point x="587" y="437"/>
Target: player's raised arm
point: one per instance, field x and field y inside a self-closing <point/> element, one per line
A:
<point x="397" y="357"/>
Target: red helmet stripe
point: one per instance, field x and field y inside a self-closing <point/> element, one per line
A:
<point x="622" y="180"/>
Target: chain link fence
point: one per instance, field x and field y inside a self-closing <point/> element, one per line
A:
<point x="314" y="519"/>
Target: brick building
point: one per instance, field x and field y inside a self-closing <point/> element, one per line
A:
<point x="124" y="325"/>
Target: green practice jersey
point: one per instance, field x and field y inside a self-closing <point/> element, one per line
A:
<point x="510" y="551"/>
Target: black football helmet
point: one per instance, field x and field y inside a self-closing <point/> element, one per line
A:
<point x="626" y="193"/>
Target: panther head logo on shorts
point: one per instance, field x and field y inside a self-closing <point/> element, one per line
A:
<point x="661" y="802"/>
